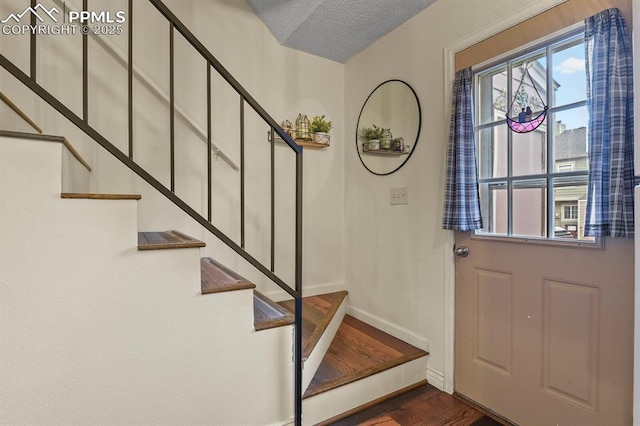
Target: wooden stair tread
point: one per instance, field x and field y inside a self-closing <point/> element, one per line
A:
<point x="216" y="278"/>
<point x="90" y="196"/>
<point x="317" y="313"/>
<point x="268" y="314"/>
<point x="358" y="351"/>
<point x="166" y="240"/>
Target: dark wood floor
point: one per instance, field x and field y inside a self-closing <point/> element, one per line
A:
<point x="424" y="406"/>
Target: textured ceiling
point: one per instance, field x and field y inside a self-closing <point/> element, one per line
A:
<point x="334" y="29"/>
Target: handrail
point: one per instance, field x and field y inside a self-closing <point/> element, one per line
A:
<point x="115" y="151"/>
<point x="18" y="111"/>
<point x="127" y="159"/>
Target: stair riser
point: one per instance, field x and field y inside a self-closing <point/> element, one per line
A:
<point x="32" y="167"/>
<point x="337" y="401"/>
<point x="315" y="358"/>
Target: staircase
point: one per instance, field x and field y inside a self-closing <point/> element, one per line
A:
<point x="108" y="323"/>
<point x="95" y="264"/>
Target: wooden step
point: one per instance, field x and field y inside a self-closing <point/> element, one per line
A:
<point x="217" y="278"/>
<point x="268" y="314"/>
<point x="166" y="240"/>
<point x="317" y="312"/>
<point x="358" y="351"/>
<point x="90" y="196"/>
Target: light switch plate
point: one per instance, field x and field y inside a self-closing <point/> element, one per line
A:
<point x="398" y="196"/>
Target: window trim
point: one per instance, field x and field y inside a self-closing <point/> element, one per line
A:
<point x="596" y="244"/>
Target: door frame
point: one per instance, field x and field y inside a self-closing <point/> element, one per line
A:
<point x="449" y="76"/>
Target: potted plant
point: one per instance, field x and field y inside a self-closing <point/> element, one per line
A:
<point x="373" y="136"/>
<point x="320" y="129"/>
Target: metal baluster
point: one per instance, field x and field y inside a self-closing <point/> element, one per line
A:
<point x="273" y="201"/>
<point x="32" y="44"/>
<point x="209" y="142"/>
<point x="172" y="108"/>
<point x="130" y="78"/>
<point x="241" y="171"/>
<point x="298" y="290"/>
<point x="85" y="70"/>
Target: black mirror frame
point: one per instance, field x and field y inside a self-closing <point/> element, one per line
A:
<point x="417" y="133"/>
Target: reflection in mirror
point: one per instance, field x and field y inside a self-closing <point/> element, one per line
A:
<point x="388" y="127"/>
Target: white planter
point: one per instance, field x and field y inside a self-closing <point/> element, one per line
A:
<point x="322" y="138"/>
<point x="371" y="145"/>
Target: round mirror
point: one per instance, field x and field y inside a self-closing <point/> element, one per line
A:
<point x="388" y="127"/>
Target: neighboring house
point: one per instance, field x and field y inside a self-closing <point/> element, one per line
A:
<point x="571" y="154"/>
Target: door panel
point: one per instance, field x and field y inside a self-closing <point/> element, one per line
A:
<point x="544" y="334"/>
<point x="492" y="318"/>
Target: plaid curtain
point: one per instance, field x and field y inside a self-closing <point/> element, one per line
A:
<point x="610" y="135"/>
<point x="461" y="200"/>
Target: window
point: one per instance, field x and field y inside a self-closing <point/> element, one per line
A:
<point x="570" y="212"/>
<point x="531" y="183"/>
<point x="565" y="167"/>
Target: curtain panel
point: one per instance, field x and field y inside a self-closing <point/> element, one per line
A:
<point x="610" y="133"/>
<point x="461" y="201"/>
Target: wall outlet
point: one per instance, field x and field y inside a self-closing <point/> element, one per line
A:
<point x="398" y="196"/>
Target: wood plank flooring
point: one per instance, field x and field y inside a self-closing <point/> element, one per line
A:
<point x="423" y="406"/>
<point x="268" y="314"/>
<point x="91" y="196"/>
<point x="166" y="240"/>
<point x="359" y="350"/>
<point x="317" y="312"/>
<point x="217" y="278"/>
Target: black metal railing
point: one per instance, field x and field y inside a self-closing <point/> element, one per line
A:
<point x="246" y="100"/>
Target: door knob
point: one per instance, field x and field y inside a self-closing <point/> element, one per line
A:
<point x="462" y="251"/>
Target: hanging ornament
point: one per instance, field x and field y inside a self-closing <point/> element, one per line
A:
<point x="526" y="122"/>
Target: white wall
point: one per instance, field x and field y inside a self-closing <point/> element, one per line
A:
<point x="397" y="256"/>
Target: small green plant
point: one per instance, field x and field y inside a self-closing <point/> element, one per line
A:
<point x="320" y="125"/>
<point x="371" y="133"/>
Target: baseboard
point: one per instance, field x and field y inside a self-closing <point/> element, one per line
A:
<point x="314" y="290"/>
<point x="290" y="421"/>
<point x="389" y="327"/>
<point x="435" y="378"/>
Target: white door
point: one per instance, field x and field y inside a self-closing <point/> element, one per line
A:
<point x="544" y="333"/>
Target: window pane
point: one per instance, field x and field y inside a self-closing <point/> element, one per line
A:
<point x="530" y="208"/>
<point x="570" y="140"/>
<point x="492" y="95"/>
<point x="492" y="152"/>
<point x="493" y="203"/>
<point x="569" y="77"/>
<point x="530" y="89"/>
<point x="530" y="152"/>
<point x="570" y="202"/>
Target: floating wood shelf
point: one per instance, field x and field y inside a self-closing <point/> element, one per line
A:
<point x="385" y="152"/>
<point x="309" y="144"/>
<point x="303" y="143"/>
